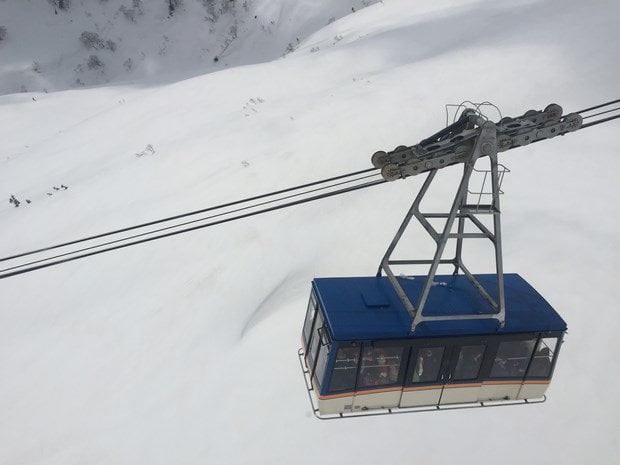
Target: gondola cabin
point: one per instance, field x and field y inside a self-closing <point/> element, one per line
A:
<point x="360" y="354"/>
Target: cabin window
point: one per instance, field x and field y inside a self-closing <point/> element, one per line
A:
<point x="315" y="339"/>
<point x="380" y="365"/>
<point x="468" y="362"/>
<point x="309" y="317"/>
<point x="543" y="357"/>
<point x="321" y="361"/>
<point x="512" y="359"/>
<point x="345" y="368"/>
<point x="427" y="365"/>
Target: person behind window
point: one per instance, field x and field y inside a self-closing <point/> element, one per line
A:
<point x="469" y="362"/>
<point x="541" y="365"/>
<point x="380" y="366"/>
<point x="521" y="357"/>
<point x="427" y="366"/>
<point x="374" y="361"/>
<point x="500" y="368"/>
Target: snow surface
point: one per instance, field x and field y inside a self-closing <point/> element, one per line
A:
<point x="184" y="350"/>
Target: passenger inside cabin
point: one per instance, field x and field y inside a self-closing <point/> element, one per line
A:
<point x="541" y="365"/>
<point x="512" y="359"/>
<point x="427" y="365"/>
<point x="500" y="368"/>
<point x="380" y="366"/>
<point x="469" y="361"/>
<point x="374" y="368"/>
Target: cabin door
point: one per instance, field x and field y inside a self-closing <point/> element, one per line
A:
<point x="443" y="372"/>
<point x="462" y="381"/>
<point x="424" y="380"/>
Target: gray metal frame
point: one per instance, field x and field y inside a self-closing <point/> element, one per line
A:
<point x="486" y="145"/>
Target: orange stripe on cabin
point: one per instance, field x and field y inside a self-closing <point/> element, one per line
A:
<point x="335" y="396"/>
<point x="377" y="391"/>
<point x="424" y="388"/>
<point x="355" y="393"/>
<point x="331" y="396"/>
<point x="501" y="382"/>
<point x="537" y="381"/>
<point x="456" y="386"/>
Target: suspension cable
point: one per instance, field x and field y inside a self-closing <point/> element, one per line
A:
<point x="596" y="107"/>
<point x="602" y="120"/>
<point x="603" y="112"/>
<point x="184" y="215"/>
<point x="122" y="243"/>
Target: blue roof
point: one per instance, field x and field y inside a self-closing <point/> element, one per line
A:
<point x="368" y="308"/>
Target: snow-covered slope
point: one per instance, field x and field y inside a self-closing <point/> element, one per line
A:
<point x="184" y="350"/>
<point x="44" y="48"/>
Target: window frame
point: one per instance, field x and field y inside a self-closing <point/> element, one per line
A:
<point x="402" y="366"/>
<point x="559" y="336"/>
<point x="413" y="363"/>
<point x="311" y="312"/>
<point x="447" y="343"/>
<point x="322" y="358"/>
<point x="499" y="341"/>
<point x="455" y="360"/>
<point x="332" y="366"/>
<point x="314" y="336"/>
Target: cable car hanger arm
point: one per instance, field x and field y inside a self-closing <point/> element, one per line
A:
<point x="465" y="141"/>
<point x="453" y="144"/>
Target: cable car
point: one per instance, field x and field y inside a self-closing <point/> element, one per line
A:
<point x="417" y="342"/>
<point x="360" y="355"/>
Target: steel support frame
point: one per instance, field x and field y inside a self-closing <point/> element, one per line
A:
<point x="485" y="146"/>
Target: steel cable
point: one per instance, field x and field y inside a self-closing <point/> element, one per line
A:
<point x="184" y="215"/>
<point x="71" y="256"/>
